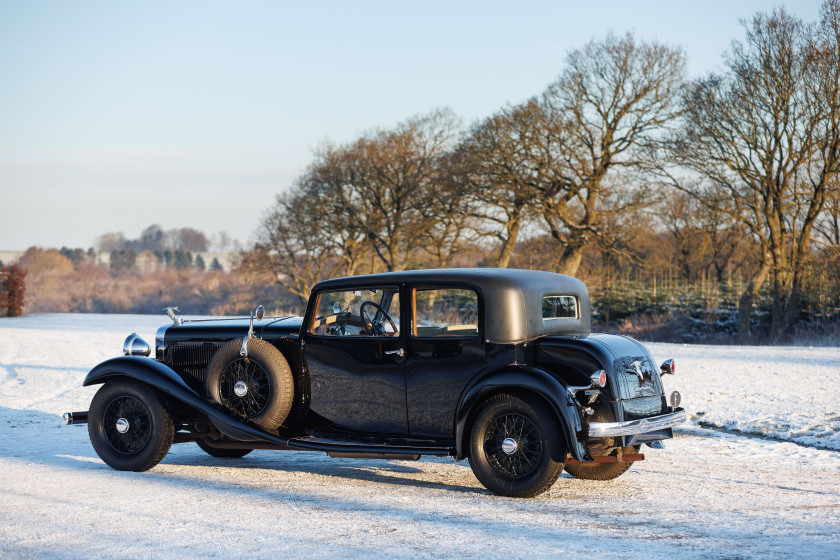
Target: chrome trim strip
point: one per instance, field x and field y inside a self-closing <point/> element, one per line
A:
<point x="239" y="318"/>
<point x="640" y="426"/>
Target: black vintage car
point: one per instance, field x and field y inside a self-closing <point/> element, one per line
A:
<point x="494" y="365"/>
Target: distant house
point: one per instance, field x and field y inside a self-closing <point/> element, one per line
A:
<point x="10" y="257"/>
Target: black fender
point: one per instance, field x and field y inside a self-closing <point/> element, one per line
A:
<point x="167" y="381"/>
<point x="553" y="390"/>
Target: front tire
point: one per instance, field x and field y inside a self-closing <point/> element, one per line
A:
<point x="516" y="449"/>
<point x="128" y="426"/>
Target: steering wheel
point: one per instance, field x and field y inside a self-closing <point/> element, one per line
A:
<point x="369" y="326"/>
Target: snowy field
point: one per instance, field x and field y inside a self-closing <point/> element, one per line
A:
<point x="756" y="474"/>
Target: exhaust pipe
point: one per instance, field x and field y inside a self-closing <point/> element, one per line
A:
<point x="71" y="418"/>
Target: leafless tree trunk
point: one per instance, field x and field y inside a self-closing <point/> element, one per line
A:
<point x="827" y="227"/>
<point x="615" y="97"/>
<point x="767" y="134"/>
<point x="499" y="174"/>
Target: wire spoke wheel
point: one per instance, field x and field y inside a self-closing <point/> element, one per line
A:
<point x="516" y="445"/>
<point x="258" y="388"/>
<point x="128" y="424"/>
<point x="250" y="376"/>
<point x="513" y="445"/>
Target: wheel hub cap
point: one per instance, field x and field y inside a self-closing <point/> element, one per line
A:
<point x="240" y="389"/>
<point x="509" y="446"/>
<point x="122" y="425"/>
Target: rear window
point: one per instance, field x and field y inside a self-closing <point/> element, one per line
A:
<point x="560" y="307"/>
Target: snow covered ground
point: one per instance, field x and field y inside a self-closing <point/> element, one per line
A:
<point x="709" y="494"/>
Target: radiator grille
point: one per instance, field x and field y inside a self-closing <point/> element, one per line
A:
<point x="641" y="396"/>
<point x="630" y="384"/>
<point x="191" y="359"/>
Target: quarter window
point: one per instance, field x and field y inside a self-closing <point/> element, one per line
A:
<point x="445" y="312"/>
<point x="559" y="307"/>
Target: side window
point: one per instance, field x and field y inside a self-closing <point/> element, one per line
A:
<point x="371" y="312"/>
<point x="559" y="307"/>
<point x="445" y="312"/>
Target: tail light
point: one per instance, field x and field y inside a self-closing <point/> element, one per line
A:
<point x="599" y="378"/>
<point x="668" y="367"/>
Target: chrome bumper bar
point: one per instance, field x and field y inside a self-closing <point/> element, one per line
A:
<point x="640" y="426"/>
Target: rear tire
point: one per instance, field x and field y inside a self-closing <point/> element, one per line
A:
<point x="222" y="452"/>
<point x="128" y="426"/>
<point x="516" y="447"/>
<point x="601" y="471"/>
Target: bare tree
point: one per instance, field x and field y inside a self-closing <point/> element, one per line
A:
<point x="398" y="181"/>
<point x="706" y="238"/>
<point x="614" y="100"/>
<point x="379" y="199"/>
<point x="334" y="202"/>
<point x="767" y="134"/>
<point x="290" y="245"/>
<point x="181" y="239"/>
<point x="447" y="207"/>
<point x="153" y="238"/>
<point x="498" y="169"/>
<point x="386" y="181"/>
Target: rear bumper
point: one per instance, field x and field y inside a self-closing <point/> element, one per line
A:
<point x="640" y="426"/>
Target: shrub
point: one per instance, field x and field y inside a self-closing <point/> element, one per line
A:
<point x="12" y="291"/>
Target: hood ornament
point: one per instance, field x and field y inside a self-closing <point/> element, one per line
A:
<point x="638" y="365"/>
<point x="170" y="312"/>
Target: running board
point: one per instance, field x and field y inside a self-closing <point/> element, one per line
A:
<point x="341" y="448"/>
<point x="344" y="455"/>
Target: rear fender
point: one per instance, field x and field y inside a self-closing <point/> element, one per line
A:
<point x="526" y="379"/>
<point x="164" y="379"/>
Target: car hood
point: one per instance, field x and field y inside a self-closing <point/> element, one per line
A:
<point x="221" y="329"/>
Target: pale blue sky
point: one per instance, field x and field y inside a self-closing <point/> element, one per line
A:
<point x="118" y="115"/>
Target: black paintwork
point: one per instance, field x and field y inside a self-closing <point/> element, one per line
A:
<point x="352" y="397"/>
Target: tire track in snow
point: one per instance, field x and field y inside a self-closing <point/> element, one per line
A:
<point x="699" y="428"/>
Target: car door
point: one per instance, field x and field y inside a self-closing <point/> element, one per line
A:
<point x="356" y="363"/>
<point x="445" y="350"/>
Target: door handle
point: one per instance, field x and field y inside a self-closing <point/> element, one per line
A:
<point x="400" y="352"/>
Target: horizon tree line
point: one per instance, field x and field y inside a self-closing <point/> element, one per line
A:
<point x="739" y="166"/>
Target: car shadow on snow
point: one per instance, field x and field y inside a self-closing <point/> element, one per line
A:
<point x="40" y="437"/>
<point x="316" y="463"/>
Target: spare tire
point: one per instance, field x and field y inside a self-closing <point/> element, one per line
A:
<point x="258" y="388"/>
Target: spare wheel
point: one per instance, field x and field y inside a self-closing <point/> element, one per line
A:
<point x="258" y="388"/>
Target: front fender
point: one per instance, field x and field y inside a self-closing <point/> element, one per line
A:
<point x="164" y="379"/>
<point x="552" y="390"/>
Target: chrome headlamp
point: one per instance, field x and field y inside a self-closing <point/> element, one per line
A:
<point x="136" y="346"/>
